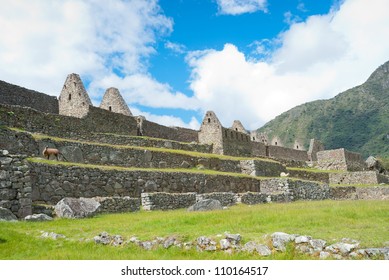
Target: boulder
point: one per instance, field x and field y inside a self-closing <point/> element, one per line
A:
<point x="373" y="164"/>
<point x="7" y="215"/>
<point x="261" y="249"/>
<point x="38" y="218"/>
<point x="280" y="239"/>
<point x="206" y="205"/>
<point x="81" y="207"/>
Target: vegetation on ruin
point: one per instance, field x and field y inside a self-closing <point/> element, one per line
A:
<point x="121" y="168"/>
<point x="365" y="221"/>
<point x="38" y="136"/>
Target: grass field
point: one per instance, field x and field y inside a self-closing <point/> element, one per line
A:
<point x="366" y="221"/>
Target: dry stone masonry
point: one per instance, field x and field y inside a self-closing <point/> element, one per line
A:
<point x="106" y="137"/>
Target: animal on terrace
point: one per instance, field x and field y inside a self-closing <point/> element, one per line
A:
<point x="47" y="152"/>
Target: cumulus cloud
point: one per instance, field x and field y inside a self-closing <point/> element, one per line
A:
<point x="43" y="41"/>
<point x="144" y="90"/>
<point x="172" y="121"/>
<point x="237" y="7"/>
<point x="175" y="47"/>
<point x="316" y="59"/>
<point x="106" y="42"/>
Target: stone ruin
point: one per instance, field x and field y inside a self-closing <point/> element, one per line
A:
<point x="24" y="183"/>
<point x="114" y="102"/>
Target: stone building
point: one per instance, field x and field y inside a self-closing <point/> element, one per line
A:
<point x="114" y="102"/>
<point x="74" y="101"/>
<point x="211" y="132"/>
<point x="238" y="126"/>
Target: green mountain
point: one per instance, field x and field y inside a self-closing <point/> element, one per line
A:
<point x="357" y="119"/>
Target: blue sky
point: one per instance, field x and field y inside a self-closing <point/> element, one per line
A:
<point x="172" y="60"/>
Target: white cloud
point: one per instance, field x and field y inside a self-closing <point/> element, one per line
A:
<point x="144" y="90"/>
<point x="167" y="120"/>
<point x="103" y="41"/>
<point x="177" y="48"/>
<point x="237" y="7"/>
<point x="317" y="58"/>
<point x="43" y="41"/>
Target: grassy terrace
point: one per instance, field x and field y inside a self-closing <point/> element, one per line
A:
<point x="366" y="221"/>
<point x="37" y="136"/>
<point x="120" y="168"/>
<point x="314" y="170"/>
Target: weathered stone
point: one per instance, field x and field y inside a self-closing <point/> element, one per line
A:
<point x="252" y="247"/>
<point x="4" y="175"/>
<point x="76" y="207"/>
<point x="134" y="239"/>
<point x="148" y="156"/>
<point x="324" y="255"/>
<point x="263" y="250"/>
<point x="7" y="215"/>
<point x="302" y="239"/>
<point x="147" y="245"/>
<point x="343" y="248"/>
<point x="38" y="218"/>
<point x="5" y="160"/>
<point x="206" y="205"/>
<point x="225" y="244"/>
<point x="102" y="238"/>
<point x="52" y="235"/>
<point x="317" y="244"/>
<point x="72" y="154"/>
<point x="185" y="164"/>
<point x="233" y="238"/>
<point x="280" y="239"/>
<point x="169" y="242"/>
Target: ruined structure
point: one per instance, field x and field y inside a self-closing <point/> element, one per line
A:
<point x="74" y="101"/>
<point x="237" y="141"/>
<point x="106" y="136"/>
<point x="114" y="102"/>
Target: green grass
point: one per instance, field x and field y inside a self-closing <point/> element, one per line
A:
<point x="314" y="170"/>
<point x="359" y="185"/>
<point x="38" y="136"/>
<point x="366" y="221"/>
<point x="121" y="168"/>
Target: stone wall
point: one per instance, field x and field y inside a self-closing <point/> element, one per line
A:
<point x="343" y="193"/>
<point x="366" y="193"/>
<point x="286" y="153"/>
<point x="54" y="182"/>
<point x="98" y="121"/>
<point x="310" y="176"/>
<point x="373" y="193"/>
<point x="295" y="189"/>
<point x="314" y="147"/>
<point x="115" y="139"/>
<point x="225" y="198"/>
<point x="340" y="159"/>
<point x="15" y="95"/>
<point x="262" y="168"/>
<point x="117" y="204"/>
<point x="15" y="184"/>
<point x="167" y="201"/>
<point x="358" y="177"/>
<point x="236" y="143"/>
<point x="258" y="149"/>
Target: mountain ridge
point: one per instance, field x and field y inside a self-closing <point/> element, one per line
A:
<point x="356" y="119"/>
